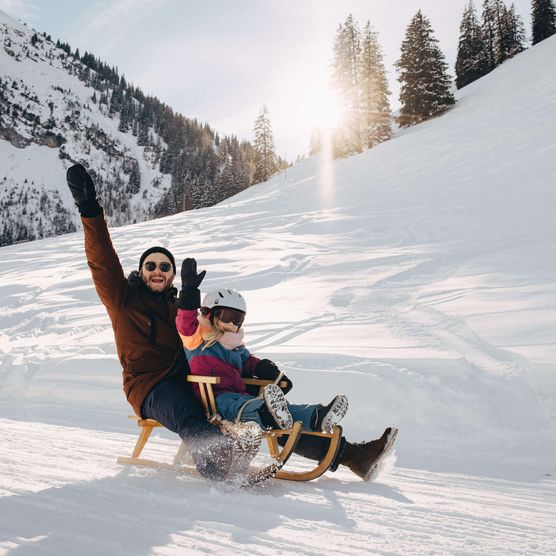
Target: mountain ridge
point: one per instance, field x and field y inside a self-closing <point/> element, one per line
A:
<point x="147" y="160"/>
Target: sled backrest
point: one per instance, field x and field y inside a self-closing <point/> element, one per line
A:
<point x="207" y="394"/>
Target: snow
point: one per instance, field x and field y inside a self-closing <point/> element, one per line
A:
<point x="36" y="164"/>
<point x="84" y="505"/>
<point x="419" y="278"/>
<point x="45" y="72"/>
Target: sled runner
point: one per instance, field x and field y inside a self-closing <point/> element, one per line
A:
<point x="279" y="453"/>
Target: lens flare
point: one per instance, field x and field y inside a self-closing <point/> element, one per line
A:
<point x="324" y="110"/>
<point x="326" y="169"/>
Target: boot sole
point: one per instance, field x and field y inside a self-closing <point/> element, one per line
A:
<point x="258" y="476"/>
<point x="376" y="467"/>
<point x="336" y="413"/>
<point x="247" y="439"/>
<point x="278" y="406"/>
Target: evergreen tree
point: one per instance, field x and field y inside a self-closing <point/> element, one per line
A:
<point x="145" y="118"/>
<point x="117" y="99"/>
<point x="470" y="63"/>
<point x="265" y="156"/>
<point x="512" y="34"/>
<point x="503" y="33"/>
<point x="425" y="85"/>
<point x="543" y="19"/>
<point x="346" y="80"/>
<point x="243" y="155"/>
<point x="492" y="15"/>
<point x="375" y="106"/>
<point x="134" y="184"/>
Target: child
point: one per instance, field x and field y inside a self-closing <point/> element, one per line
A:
<point x="213" y="342"/>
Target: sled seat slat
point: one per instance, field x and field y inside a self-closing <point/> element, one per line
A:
<point x="145" y="422"/>
<point x="203" y="379"/>
<point x="261" y="382"/>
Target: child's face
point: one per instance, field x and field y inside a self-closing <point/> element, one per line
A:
<point x="227" y="319"/>
<point x="226" y="326"/>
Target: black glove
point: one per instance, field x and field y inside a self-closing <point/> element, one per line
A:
<point x="83" y="191"/>
<point x="190" y="280"/>
<point x="190" y="296"/>
<point x="267" y="370"/>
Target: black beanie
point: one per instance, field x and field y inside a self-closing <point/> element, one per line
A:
<point x="157" y="249"/>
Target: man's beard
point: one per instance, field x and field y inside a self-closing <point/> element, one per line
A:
<point x="157" y="284"/>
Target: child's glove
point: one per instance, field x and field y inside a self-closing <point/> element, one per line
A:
<point x="268" y="370"/>
<point x="190" y="280"/>
<point x="190" y="296"/>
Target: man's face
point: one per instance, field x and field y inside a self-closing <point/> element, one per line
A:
<point x="157" y="280"/>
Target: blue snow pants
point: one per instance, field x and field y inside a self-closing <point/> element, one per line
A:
<point x="229" y="404"/>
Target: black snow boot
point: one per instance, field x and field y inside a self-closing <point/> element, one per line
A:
<point x="213" y="458"/>
<point x="267" y="419"/>
<point x="326" y="417"/>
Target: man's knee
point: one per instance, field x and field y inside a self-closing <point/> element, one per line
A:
<point x="173" y="404"/>
<point x="192" y="421"/>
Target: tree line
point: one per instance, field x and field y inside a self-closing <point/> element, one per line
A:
<point x="206" y="167"/>
<point x="426" y="88"/>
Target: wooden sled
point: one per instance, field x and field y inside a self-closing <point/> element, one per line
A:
<point x="280" y="453"/>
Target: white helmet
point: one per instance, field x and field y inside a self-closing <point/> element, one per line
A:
<point x="224" y="298"/>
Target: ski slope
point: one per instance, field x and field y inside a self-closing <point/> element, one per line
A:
<point x="419" y="278"/>
<point x="78" y="502"/>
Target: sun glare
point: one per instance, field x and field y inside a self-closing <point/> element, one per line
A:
<point x="323" y="110"/>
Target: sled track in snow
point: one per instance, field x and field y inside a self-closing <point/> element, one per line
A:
<point x="60" y="487"/>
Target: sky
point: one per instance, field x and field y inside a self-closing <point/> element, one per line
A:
<point x="220" y="60"/>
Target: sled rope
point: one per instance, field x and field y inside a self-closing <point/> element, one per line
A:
<point x="259" y="397"/>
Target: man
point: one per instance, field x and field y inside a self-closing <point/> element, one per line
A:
<point x="142" y="309"/>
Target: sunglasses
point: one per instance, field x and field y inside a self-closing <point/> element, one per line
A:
<point x="164" y="267"/>
<point x="225" y="314"/>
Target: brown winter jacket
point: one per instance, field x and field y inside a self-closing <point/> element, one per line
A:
<point x="143" y="321"/>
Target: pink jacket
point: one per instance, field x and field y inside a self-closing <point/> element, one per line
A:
<point x="229" y="364"/>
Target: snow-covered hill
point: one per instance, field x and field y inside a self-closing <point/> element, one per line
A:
<point x="419" y="278"/>
<point x="48" y="117"/>
<point x="57" y="106"/>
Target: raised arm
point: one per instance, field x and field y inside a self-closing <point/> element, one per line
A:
<point x="108" y="275"/>
<point x="189" y="328"/>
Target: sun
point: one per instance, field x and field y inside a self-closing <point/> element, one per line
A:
<point x="323" y="109"/>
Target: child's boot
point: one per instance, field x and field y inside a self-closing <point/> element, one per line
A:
<point x="326" y="417"/>
<point x="275" y="413"/>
